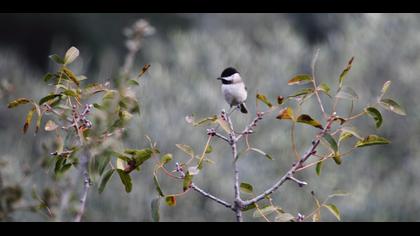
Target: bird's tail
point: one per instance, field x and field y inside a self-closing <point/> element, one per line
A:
<point x="243" y="108"/>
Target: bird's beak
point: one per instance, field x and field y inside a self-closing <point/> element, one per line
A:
<point x="219" y="78"/>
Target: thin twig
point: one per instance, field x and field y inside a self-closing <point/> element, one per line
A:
<point x="208" y="195"/>
<point x="292" y="134"/>
<point x="297" y="165"/>
<point x="314" y="83"/>
<point x="221" y="136"/>
<point x="299" y="182"/>
<point x="249" y="129"/>
<point x="86" y="186"/>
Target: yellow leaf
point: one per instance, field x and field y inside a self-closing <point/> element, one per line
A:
<point x="71" y="55"/>
<point x="224" y="124"/>
<point x="285" y="114"/>
<point x="50" y="126"/>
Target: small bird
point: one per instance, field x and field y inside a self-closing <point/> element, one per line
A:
<point x="233" y="88"/>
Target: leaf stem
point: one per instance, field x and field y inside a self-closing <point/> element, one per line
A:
<point x="314" y="83"/>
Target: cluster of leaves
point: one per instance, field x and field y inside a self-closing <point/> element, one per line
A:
<point x="87" y="119"/>
<point x="343" y="130"/>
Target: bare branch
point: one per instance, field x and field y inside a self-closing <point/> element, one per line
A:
<point x="299" y="182"/>
<point x="233" y="139"/>
<point x="208" y="195"/>
<point x="249" y="128"/>
<point x="238" y="201"/>
<point x="179" y="169"/>
<point x="213" y="132"/>
<point x="86" y="186"/>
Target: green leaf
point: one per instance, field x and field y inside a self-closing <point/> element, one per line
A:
<point x="123" y="118"/>
<point x="58" y="165"/>
<point x="120" y="156"/>
<point x="393" y="106"/>
<point x="333" y="209"/>
<point x="209" y="149"/>
<point x="319" y="168"/>
<point x="375" y="114"/>
<point x="249" y="207"/>
<point x="331" y="141"/>
<point x="158" y="189"/>
<point x="185" y="148"/>
<point x="166" y="158"/>
<point x="337" y="158"/>
<point x="38" y="120"/>
<point x="57" y="59"/>
<point x="345" y="72"/>
<point x="140" y="156"/>
<point x="385" y="87"/>
<point x="205" y="120"/>
<point x="246" y="188"/>
<point x="155" y="204"/>
<point x="17" y="102"/>
<point x="48" y="98"/>
<point x="284" y="217"/>
<point x="93" y="88"/>
<point x="347" y="132"/>
<point x="170" y="200"/>
<point x="264" y="211"/>
<point x="70" y="93"/>
<point x="110" y="94"/>
<point x="47" y="77"/>
<point x="305" y="91"/>
<point x="105" y="179"/>
<point x="344" y="135"/>
<point x="65" y="167"/>
<point x="133" y="82"/>
<point x="104" y="161"/>
<point x="187" y="182"/>
<point x="130" y="103"/>
<point x="372" y="140"/>
<point x="347" y="93"/>
<point x="306" y="119"/>
<point x="324" y="88"/>
<point x="125" y="179"/>
<point x="28" y="119"/>
<point x="71" y="75"/>
<point x="300" y="79"/>
<point x="98" y="106"/>
<point x="261" y="152"/>
<point x="264" y="99"/>
<point x="71" y="55"/>
<point x="285" y="114"/>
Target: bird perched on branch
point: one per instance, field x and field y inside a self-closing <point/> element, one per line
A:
<point x="233" y="88"/>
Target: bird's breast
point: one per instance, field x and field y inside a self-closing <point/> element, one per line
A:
<point x="234" y="93"/>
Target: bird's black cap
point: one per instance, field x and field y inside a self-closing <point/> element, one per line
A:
<point x="229" y="71"/>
